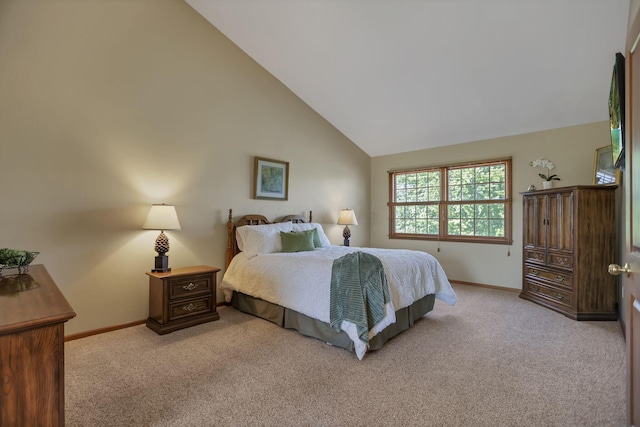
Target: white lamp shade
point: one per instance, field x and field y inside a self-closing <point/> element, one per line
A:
<point x="347" y="217"/>
<point x="162" y="217"/>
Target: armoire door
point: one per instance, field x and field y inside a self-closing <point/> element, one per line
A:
<point x="535" y="227"/>
<point x="560" y="230"/>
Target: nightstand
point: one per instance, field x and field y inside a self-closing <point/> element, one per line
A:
<point x="181" y="298"/>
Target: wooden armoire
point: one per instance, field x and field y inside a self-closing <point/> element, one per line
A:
<point x="569" y="238"/>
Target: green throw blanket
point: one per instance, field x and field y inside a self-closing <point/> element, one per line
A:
<point x="359" y="292"/>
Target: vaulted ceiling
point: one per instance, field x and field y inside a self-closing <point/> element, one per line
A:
<point x="402" y="75"/>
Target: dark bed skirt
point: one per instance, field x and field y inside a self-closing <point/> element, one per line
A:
<point x="290" y="319"/>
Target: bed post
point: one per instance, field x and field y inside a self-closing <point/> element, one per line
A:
<point x="310" y="216"/>
<point x="230" y="239"/>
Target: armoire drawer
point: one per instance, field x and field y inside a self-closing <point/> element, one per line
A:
<point x="535" y="256"/>
<point x="562" y="280"/>
<point x="550" y="293"/>
<point x="562" y="260"/>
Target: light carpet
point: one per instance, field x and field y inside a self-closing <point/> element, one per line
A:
<point x="491" y="360"/>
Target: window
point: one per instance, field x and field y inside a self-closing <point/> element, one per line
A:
<point x="470" y="203"/>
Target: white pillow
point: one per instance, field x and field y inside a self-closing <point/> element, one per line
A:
<point x="304" y="226"/>
<point x="261" y="239"/>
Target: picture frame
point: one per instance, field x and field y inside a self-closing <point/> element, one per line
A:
<point x="270" y="179"/>
<point x="604" y="172"/>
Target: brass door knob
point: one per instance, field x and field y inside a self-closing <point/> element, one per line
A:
<point x="615" y="269"/>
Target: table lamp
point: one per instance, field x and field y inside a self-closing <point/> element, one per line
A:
<point x="162" y="217"/>
<point x="347" y="217"/>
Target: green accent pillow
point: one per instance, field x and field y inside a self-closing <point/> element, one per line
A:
<point x="316" y="238"/>
<point x="297" y="241"/>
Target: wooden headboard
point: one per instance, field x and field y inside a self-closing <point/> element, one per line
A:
<point x="252" y="219"/>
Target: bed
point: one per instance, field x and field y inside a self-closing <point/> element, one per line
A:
<point x="292" y="289"/>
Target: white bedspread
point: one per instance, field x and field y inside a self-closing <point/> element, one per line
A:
<point x="301" y="281"/>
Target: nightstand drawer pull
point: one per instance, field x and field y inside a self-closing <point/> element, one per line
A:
<point x="189" y="307"/>
<point x="190" y="286"/>
<point x="559" y="279"/>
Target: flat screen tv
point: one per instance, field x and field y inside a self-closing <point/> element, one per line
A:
<point x="616" y="112"/>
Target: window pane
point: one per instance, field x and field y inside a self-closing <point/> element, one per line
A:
<point x="434" y="179"/>
<point x="422" y="194"/>
<point x="417" y="187"/>
<point x="454" y="227"/>
<point x="468" y="211"/>
<point x="455" y="193"/>
<point x="482" y="211"/>
<point x="496" y="228"/>
<point x="434" y="194"/>
<point x="496" y="211"/>
<point x="482" y="227"/>
<point x="497" y="173"/>
<point x="411" y="181"/>
<point x="482" y="174"/>
<point x="497" y="191"/>
<point x="455" y="177"/>
<point x="482" y="192"/>
<point x="468" y="176"/>
<point x="418" y="219"/>
<point x="468" y="192"/>
<point x="466" y="228"/>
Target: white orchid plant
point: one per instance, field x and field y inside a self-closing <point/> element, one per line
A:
<point x="545" y="163"/>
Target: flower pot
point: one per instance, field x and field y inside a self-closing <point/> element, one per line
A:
<point x="547" y="184"/>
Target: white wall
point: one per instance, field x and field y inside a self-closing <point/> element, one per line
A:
<point x="109" y="106"/>
<point x="572" y="151"/>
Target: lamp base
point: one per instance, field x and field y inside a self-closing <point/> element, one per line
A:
<point x="346" y="233"/>
<point x="162" y="264"/>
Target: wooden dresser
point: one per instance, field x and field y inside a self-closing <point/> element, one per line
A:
<point x="569" y="238"/>
<point x="32" y="316"/>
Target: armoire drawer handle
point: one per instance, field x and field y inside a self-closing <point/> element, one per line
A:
<point x="559" y="279"/>
<point x="560" y="296"/>
<point x="535" y="272"/>
<point x="534" y="288"/>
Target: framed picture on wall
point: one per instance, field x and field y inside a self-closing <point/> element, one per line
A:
<point x="270" y="179"/>
<point x="604" y="172"/>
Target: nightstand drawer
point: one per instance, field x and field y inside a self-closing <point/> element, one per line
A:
<point x="557" y="279"/>
<point x="179" y="310"/>
<point x="191" y="286"/>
